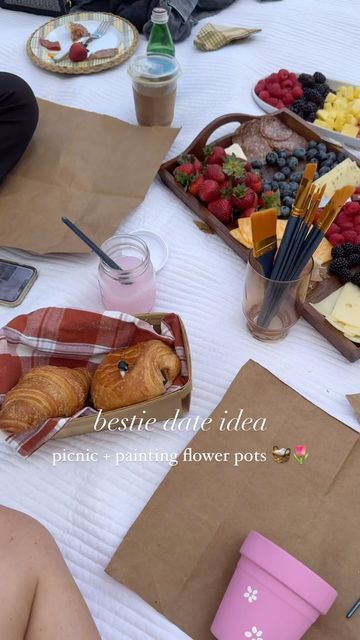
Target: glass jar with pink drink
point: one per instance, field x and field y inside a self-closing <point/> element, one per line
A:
<point x="131" y="289"/>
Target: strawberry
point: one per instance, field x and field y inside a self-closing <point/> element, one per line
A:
<point x="253" y="181"/>
<point x="195" y="185"/>
<point x="78" y="52"/>
<point x="209" y="190"/>
<point x="234" y="167"/>
<point x="242" y="197"/>
<point x="248" y="212"/>
<point x="271" y="199"/>
<point x="215" y="172"/>
<point x="184" y="174"/>
<point x="214" y="155"/>
<point x="222" y="209"/>
<point x="189" y="157"/>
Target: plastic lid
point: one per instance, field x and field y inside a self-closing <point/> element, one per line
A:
<point x="158" y="248"/>
<point x="291" y="572"/>
<point x="159" y="16"/>
<point x="154" y="67"/>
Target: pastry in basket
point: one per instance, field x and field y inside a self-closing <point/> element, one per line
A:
<point x="134" y="374"/>
<point x="43" y="393"/>
<point x="77" y="31"/>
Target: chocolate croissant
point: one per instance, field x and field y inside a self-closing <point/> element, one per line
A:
<point x="43" y="393"/>
<point x="134" y="374"/>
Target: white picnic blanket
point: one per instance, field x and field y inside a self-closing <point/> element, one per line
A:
<point x="90" y="506"/>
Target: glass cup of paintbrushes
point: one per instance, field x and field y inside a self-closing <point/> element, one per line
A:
<point x="277" y="279"/>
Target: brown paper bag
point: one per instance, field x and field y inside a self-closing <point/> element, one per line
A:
<point x="88" y="167"/>
<point x="182" y="551"/>
<point x="355" y="403"/>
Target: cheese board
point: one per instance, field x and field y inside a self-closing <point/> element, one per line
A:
<point x="169" y="176"/>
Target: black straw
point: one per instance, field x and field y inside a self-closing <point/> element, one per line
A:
<point x="353" y="609"/>
<point x="104" y="257"/>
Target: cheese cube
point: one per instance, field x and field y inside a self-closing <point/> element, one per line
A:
<point x="350" y="130"/>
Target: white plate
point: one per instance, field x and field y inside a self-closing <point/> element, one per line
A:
<point x="332" y="136"/>
<point x="111" y="40"/>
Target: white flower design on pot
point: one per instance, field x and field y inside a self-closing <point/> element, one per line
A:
<point x="251" y="594"/>
<point x="254" y="634"/>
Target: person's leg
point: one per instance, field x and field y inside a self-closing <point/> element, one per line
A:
<point x="39" y="599"/>
<point x="19" y="115"/>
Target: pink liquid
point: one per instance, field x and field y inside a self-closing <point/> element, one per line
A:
<point x="136" y="297"/>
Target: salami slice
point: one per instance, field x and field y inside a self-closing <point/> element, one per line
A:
<point x="273" y="129"/>
<point x="50" y="45"/>
<point x="103" y="53"/>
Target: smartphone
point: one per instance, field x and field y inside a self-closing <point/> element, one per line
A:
<point x="16" y="281"/>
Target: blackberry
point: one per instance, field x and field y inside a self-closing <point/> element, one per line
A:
<point x="356" y="278"/>
<point x="298" y="106"/>
<point x="345" y="276"/>
<point x="312" y="95"/>
<point x="353" y="260"/>
<point x="311" y="116"/>
<point x="309" y="108"/>
<point x="338" y="265"/>
<point x="348" y="248"/>
<point x="319" y="77"/>
<point x="323" y="89"/>
<point x="338" y="252"/>
<point x="306" y="80"/>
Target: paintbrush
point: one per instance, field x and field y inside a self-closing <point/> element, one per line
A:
<point x="297" y="213"/>
<point x="263" y="227"/>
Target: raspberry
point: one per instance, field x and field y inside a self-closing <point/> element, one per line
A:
<point x="287" y="84"/>
<point x="347" y="225"/>
<point x="356" y="221"/>
<point x="292" y="77"/>
<point x="280" y="104"/>
<point x="275" y="90"/>
<point x="260" y="86"/>
<point x="333" y="229"/>
<point x="351" y="208"/>
<point x="349" y="235"/>
<point x="287" y="98"/>
<point x="283" y="74"/>
<point x="264" y="95"/>
<point x="336" y="238"/>
<point x="297" y="92"/>
<point x="274" y="77"/>
<point x="272" y="101"/>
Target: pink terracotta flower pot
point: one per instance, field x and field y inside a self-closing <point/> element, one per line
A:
<point x="271" y="596"/>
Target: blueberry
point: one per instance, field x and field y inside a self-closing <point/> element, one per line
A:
<point x="256" y="164"/>
<point x="311" y="153"/>
<point x="274" y="185"/>
<point x="312" y="144"/>
<point x="279" y="176"/>
<point x="331" y="156"/>
<point x="285" y="212"/>
<point x="296" y="176"/>
<point x="267" y="186"/>
<point x="271" y="158"/>
<point x="292" y="162"/>
<point x="326" y="163"/>
<point x="299" y="153"/>
<point x="322" y="147"/>
<point x="281" y="162"/>
<point x="283" y="154"/>
<point x="293" y="186"/>
<point x="286" y="171"/>
<point x="288" y="201"/>
<point x="284" y="189"/>
<point x="323" y="170"/>
<point x="341" y="156"/>
<point x="322" y="155"/>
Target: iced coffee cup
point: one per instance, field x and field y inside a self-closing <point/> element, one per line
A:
<point x="154" y="78"/>
<point x="271" y="596"/>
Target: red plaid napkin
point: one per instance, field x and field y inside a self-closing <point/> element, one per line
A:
<point x="72" y="338"/>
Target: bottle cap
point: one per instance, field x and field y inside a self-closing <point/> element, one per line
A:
<point x="159" y="16"/>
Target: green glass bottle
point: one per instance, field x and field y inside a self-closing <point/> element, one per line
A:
<point x="160" y="40"/>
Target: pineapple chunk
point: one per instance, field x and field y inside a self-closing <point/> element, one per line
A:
<point x="340" y="91"/>
<point x="350" y="119"/>
<point x="349" y="93"/>
<point x="340" y="103"/>
<point x="322" y="114"/>
<point x="357" y="92"/>
<point x="355" y="107"/>
<point x="350" y="130"/>
<point x="330" y="98"/>
<point x="339" y="121"/>
<point x="322" y="123"/>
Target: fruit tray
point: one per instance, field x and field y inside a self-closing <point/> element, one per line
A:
<point x="347" y="348"/>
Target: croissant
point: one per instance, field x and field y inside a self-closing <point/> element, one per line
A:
<point x="134" y="374"/>
<point x="43" y="393"/>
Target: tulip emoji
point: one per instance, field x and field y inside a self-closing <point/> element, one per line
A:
<point x="301" y="453"/>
